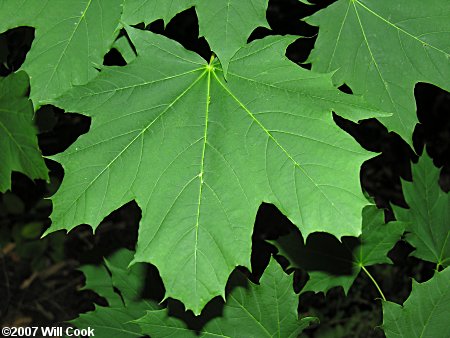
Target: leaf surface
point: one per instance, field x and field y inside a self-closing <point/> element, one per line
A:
<point x="124" y="48"/>
<point x="147" y="11"/>
<point x="265" y="310"/>
<point x="382" y="49"/>
<point x="227" y="24"/>
<point x="199" y="155"/>
<point x="71" y="39"/>
<point x="424" y="314"/>
<point x="18" y="142"/>
<point x="428" y="216"/>
<point x="331" y="263"/>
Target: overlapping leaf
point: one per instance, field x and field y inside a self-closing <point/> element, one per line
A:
<point x="424" y="314"/>
<point x="265" y="310"/>
<point x="428" y="216"/>
<point x="71" y="39"/>
<point x="381" y="49"/>
<point x="116" y="320"/>
<point x="226" y="24"/>
<point x="123" y="46"/>
<point x="332" y="263"/>
<point x="199" y="155"/>
<point x="18" y="142"/>
<point x="147" y="11"/>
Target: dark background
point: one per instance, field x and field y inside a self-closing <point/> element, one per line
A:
<point x="39" y="283"/>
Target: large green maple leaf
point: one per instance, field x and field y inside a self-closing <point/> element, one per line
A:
<point x="71" y="39"/>
<point x="199" y="155"/>
<point x="265" y="310"/>
<point x="424" y="314"/>
<point x="18" y="142"/>
<point x="225" y="24"/>
<point x="428" y="216"/>
<point x="332" y="263"/>
<point x="381" y="49"/>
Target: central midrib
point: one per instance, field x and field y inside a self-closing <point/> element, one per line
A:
<point x="200" y="175"/>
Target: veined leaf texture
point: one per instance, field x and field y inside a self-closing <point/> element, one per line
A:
<point x="18" y="142"/>
<point x="200" y="153"/>
<point x="381" y="49"/>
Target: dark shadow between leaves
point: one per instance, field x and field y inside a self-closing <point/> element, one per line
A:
<point x="118" y="230"/>
<point x="183" y="28"/>
<point x="345" y="89"/>
<point x="59" y="129"/>
<point x="114" y="58"/>
<point x="14" y="46"/>
<point x="433" y="130"/>
<point x="285" y="18"/>
<point x="380" y="176"/>
<point x="270" y="224"/>
<point x="321" y="252"/>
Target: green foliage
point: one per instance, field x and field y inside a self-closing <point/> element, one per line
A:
<point x="116" y="320"/>
<point x="265" y="310"/>
<point x="221" y="147"/>
<point x="331" y="263"/>
<point x="70" y="40"/>
<point x="382" y="49"/>
<point x="424" y="314"/>
<point x="18" y="142"/>
<point x="428" y="216"/>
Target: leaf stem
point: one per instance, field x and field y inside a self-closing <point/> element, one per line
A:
<point x="213" y="56"/>
<point x="374" y="281"/>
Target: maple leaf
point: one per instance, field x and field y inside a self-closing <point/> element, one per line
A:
<point x="428" y="217"/>
<point x="332" y="263"/>
<point x="381" y="49"/>
<point x="71" y="39"/>
<point x="424" y="314"/>
<point x="199" y="155"/>
<point x="18" y="141"/>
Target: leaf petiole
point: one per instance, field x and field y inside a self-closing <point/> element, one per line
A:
<point x="374" y="281"/>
